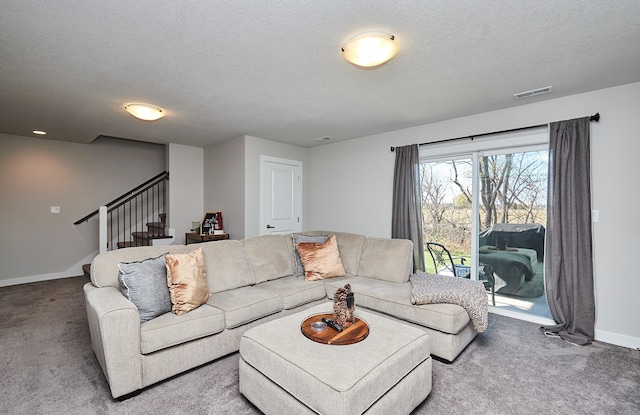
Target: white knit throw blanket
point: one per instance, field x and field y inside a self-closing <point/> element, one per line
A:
<point x="470" y="295"/>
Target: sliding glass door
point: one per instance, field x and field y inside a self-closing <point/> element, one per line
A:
<point x="488" y="208"/>
<point x="446" y="207"/>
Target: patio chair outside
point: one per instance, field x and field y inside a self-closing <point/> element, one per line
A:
<point x="444" y="264"/>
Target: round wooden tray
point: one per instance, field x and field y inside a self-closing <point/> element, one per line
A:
<point x="349" y="335"/>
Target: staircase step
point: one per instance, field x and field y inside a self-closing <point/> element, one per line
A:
<point x="141" y="239"/>
<point x="128" y="244"/>
<point x="147" y="236"/>
<point x="156" y="228"/>
<point x="86" y="268"/>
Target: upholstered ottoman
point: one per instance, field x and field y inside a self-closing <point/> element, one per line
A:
<point x="284" y="372"/>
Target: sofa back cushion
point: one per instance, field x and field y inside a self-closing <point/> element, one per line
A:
<point x="227" y="265"/>
<point x="104" y="268"/>
<point x="387" y="259"/>
<point x="269" y="256"/>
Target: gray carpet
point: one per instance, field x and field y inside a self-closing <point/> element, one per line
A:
<point x="48" y="368"/>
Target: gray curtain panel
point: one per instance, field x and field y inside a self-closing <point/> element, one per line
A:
<point x="406" y="217"/>
<point x="568" y="259"/>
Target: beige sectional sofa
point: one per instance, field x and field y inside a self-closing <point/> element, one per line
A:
<point x="251" y="282"/>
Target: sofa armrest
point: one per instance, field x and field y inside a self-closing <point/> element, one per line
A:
<point x="114" y="325"/>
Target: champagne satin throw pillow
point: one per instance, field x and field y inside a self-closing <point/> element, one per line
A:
<point x="300" y="238"/>
<point x="187" y="281"/>
<point x="320" y="260"/>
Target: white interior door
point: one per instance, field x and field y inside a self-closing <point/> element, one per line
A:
<point x="280" y="195"/>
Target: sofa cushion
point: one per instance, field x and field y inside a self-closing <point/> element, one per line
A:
<point x="144" y="283"/>
<point x="170" y="329"/>
<point x="227" y="265"/>
<point x="299" y="238"/>
<point x="320" y="260"/>
<point x="295" y="291"/>
<point x="269" y="256"/>
<point x="187" y="280"/>
<point x="335" y="283"/>
<point x="350" y="246"/>
<point x="387" y="259"/>
<point x="104" y="267"/>
<point x="245" y="304"/>
<point x="394" y="298"/>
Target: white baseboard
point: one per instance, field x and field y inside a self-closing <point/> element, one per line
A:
<point x="600" y="335"/>
<point x="73" y="271"/>
<point x="617" y="339"/>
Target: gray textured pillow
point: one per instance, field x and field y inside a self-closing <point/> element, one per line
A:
<point x="144" y="283"/>
<point x="299" y="238"/>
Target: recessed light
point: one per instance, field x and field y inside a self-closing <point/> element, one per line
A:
<point x="39" y="132"/>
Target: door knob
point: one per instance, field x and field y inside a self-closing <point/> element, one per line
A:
<point x="270" y="227"/>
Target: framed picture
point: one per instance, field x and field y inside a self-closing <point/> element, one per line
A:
<point x="211" y="222"/>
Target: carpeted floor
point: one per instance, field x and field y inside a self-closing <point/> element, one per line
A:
<point x="48" y="368"/>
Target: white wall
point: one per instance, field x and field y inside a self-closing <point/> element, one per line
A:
<point x="36" y="173"/>
<point x="256" y="147"/>
<point x="186" y="188"/>
<point x="349" y="186"/>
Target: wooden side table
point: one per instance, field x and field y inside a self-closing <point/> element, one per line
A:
<point x="196" y="238"/>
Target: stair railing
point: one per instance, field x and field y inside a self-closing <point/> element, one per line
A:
<point x="122" y="220"/>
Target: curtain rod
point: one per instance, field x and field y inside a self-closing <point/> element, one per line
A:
<point x="595" y="117"/>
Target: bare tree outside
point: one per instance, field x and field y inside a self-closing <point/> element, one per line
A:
<point x="512" y="187"/>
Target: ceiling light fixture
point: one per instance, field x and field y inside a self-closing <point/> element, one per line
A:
<point x="144" y="111"/>
<point x="370" y="49"/>
<point x="39" y="132"/>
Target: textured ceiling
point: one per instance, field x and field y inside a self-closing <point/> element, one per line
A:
<point x="273" y="69"/>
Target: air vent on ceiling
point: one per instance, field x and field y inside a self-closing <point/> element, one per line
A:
<point x="322" y="139"/>
<point x="533" y="92"/>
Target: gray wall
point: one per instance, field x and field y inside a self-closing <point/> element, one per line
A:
<point x="186" y="185"/>
<point x="224" y="179"/>
<point x="37" y="173"/>
<point x="350" y="184"/>
<point x="232" y="180"/>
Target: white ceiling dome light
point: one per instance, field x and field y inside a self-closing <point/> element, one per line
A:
<point x="145" y="112"/>
<point x="370" y="49"/>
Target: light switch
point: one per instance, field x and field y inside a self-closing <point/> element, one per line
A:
<point x="55" y="209"/>
<point x="595" y="216"/>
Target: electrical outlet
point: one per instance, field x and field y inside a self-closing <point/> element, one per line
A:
<point x="55" y="209"/>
